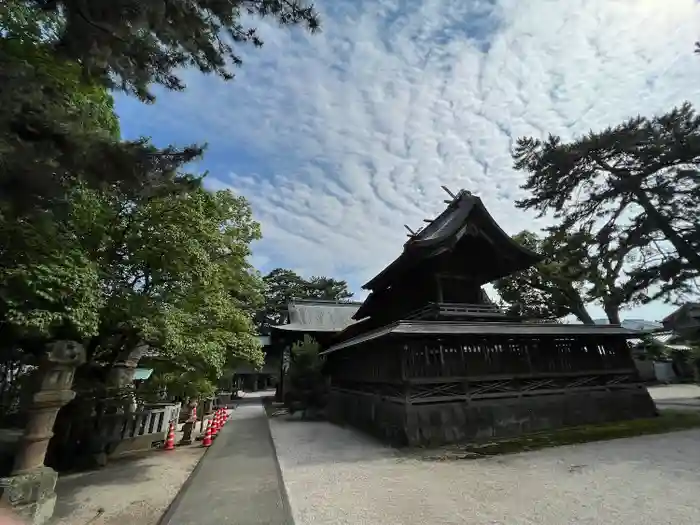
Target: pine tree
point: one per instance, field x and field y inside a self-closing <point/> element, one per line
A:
<point x="640" y="179"/>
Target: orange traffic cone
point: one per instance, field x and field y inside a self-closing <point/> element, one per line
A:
<point x="170" y="442"/>
<point x="206" y="442"/>
<point x="215" y="424"/>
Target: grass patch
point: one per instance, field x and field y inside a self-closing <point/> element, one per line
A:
<point x="667" y="421"/>
<point x="273" y="408"/>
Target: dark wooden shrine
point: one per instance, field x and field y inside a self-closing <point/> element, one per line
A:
<point x="433" y="361"/>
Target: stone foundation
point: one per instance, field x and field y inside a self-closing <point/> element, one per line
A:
<point x="453" y="422"/>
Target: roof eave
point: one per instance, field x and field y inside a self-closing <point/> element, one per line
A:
<point x="467" y="328"/>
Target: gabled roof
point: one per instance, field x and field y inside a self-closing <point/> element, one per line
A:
<point x="687" y="308"/>
<point x="319" y="316"/>
<point x="465" y="213"/>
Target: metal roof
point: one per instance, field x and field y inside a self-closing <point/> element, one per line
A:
<point x="141" y="374"/>
<point x="665" y="339"/>
<point x="319" y="316"/>
<point x="491" y="328"/>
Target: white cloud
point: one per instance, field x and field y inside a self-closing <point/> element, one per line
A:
<point x="355" y="129"/>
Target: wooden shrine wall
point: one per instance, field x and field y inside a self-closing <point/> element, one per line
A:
<point x="418" y="391"/>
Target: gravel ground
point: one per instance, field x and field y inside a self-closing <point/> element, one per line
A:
<point x="337" y="476"/>
<point x="130" y="490"/>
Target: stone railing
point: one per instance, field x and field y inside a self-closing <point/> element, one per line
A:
<point x="139" y="430"/>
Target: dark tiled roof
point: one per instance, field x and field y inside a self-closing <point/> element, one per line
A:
<point x="319" y="316"/>
<point x="465" y="213"/>
<point x="686" y="308"/>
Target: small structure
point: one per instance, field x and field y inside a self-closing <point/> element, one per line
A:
<point x="685" y="322"/>
<point x="252" y="379"/>
<point x="431" y="360"/>
<point x="320" y="319"/>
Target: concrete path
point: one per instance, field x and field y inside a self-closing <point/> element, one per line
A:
<point x="238" y="481"/>
<point x="678" y="397"/>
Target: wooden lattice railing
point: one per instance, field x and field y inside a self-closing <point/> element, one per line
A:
<point x="456" y="310"/>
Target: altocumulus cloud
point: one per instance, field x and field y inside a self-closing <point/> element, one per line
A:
<point x="340" y="138"/>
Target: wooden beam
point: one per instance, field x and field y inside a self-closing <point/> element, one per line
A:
<point x="447" y="190"/>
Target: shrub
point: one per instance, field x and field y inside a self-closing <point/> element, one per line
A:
<point x="307" y="385"/>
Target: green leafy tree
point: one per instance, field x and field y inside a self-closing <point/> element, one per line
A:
<point x="65" y="125"/>
<point x="639" y="177"/>
<point x="49" y="286"/>
<point x="170" y="272"/>
<point x="327" y="288"/>
<point x="307" y="386"/>
<point x="653" y="348"/>
<point x="176" y="276"/>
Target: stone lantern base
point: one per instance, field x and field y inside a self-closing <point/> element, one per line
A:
<point x="30" y="488"/>
<point x="31" y="495"/>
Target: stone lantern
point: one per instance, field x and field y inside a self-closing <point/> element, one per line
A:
<point x="30" y="487"/>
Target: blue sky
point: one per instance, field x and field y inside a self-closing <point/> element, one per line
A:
<point x="340" y="138"/>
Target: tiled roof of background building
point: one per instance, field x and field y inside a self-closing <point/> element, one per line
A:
<point x="319" y="316"/>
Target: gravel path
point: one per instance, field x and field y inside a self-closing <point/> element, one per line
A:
<point x="129" y="490"/>
<point x="336" y="476"/>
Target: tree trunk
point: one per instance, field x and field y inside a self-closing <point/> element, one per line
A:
<point x="683" y="248"/>
<point x="612" y="311"/>
<point x="576" y="304"/>
<point x="582" y="314"/>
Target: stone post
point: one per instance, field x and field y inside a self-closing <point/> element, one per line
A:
<point x="30" y="487"/>
<point x="188" y="427"/>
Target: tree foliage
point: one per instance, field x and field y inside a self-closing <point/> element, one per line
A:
<point x="634" y="191"/>
<point x="550" y="290"/>
<point x="105" y="240"/>
<point x="60" y="58"/>
<point x="120" y="271"/>
<point x="130" y="44"/>
<point x="307" y="386"/>
<point x="67" y="126"/>
<point x="179" y="278"/>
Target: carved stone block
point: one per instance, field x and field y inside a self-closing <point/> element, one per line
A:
<point x="31" y="494"/>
